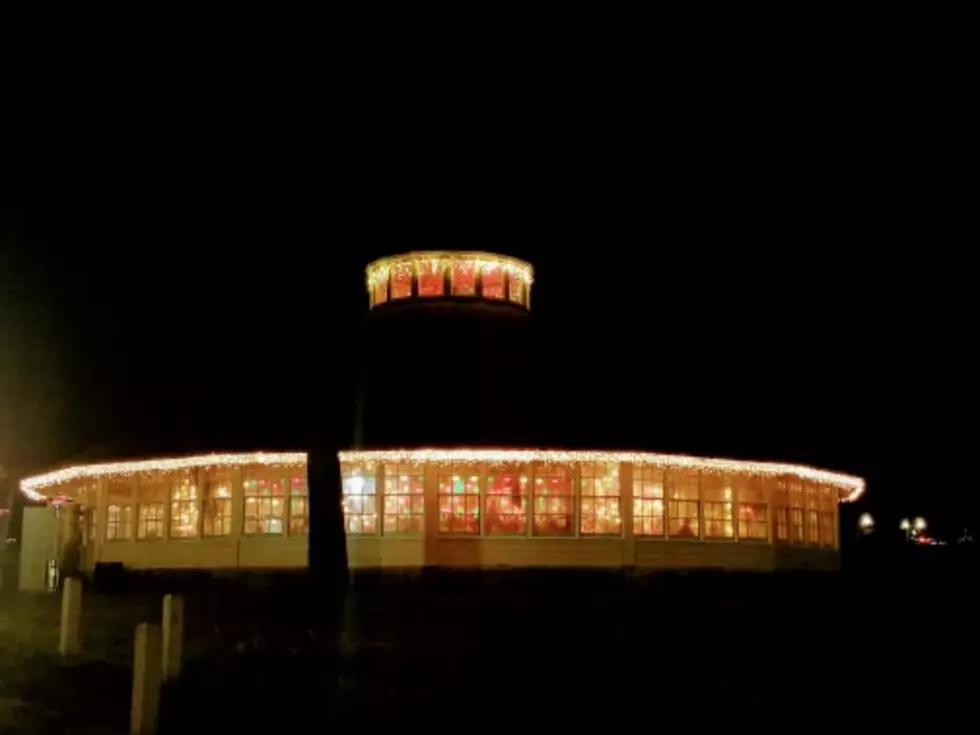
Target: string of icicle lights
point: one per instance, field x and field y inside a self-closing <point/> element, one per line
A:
<point x="379" y="270"/>
<point x="851" y="486"/>
<point x="31" y="486"/>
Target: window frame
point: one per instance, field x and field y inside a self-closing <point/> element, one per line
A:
<point x="640" y="480"/>
<point x="165" y="481"/>
<point x="726" y="482"/>
<point x="524" y="472"/>
<point x="207" y="499"/>
<point x="282" y="473"/>
<point x="193" y="503"/>
<point x="453" y="471"/>
<point x="367" y="469"/>
<point x="574" y="511"/>
<point x="418" y="469"/>
<point x="581" y="480"/>
<point x="669" y="476"/>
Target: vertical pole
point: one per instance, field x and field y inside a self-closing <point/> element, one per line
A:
<point x="101" y="518"/>
<point x="238" y="510"/>
<point x="173" y="635"/>
<point x="71" y="617"/>
<point x="146" y="680"/>
<point x="431" y="514"/>
<point x="626" y="498"/>
<point x="379" y="498"/>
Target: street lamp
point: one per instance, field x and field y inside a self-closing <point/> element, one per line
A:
<point x="866" y="523"/>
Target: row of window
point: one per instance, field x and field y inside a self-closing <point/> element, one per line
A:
<point x="585" y="500"/>
<point x="462" y="278"/>
<point x="275" y="503"/>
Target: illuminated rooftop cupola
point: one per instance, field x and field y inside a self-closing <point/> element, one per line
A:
<point x="450" y="275"/>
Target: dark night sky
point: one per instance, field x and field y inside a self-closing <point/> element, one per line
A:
<point x="200" y="291"/>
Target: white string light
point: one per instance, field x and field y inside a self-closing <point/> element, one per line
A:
<point x="31" y="486"/>
<point x="380" y="270"/>
<point x="851" y="487"/>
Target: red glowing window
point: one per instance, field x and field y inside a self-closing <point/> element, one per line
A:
<point x="464" y="278"/>
<point x="431" y="279"/>
<point x="507" y="492"/>
<point x="380" y="291"/>
<point x="493" y="281"/>
<point x="401" y="281"/>
<point x="554" y="512"/>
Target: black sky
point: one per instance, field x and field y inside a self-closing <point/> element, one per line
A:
<point x="199" y="290"/>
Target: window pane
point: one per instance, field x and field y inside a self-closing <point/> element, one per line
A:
<point x="718" y="499"/>
<point x="828" y="516"/>
<point x="183" y="505"/>
<point x="380" y="291"/>
<point x="682" y="503"/>
<point x="264" y="489"/>
<point x="600" y="499"/>
<point x="780" y="502"/>
<point x="359" y="492"/>
<point x="507" y="489"/>
<point x="464" y="278"/>
<point x="152" y="492"/>
<point x="648" y="501"/>
<point x="299" y="511"/>
<point x="401" y="281"/>
<point x="515" y="290"/>
<point x="554" y="511"/>
<point x="404" y="510"/>
<point x="797" y="508"/>
<point x="459" y="500"/>
<point x="753" y="520"/>
<point x="217" y="502"/>
<point x="119" y="522"/>
<point x="493" y="281"/>
<point x="432" y="278"/>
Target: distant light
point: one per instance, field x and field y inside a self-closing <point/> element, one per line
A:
<point x="920" y="524"/>
<point x="905" y="525"/>
<point x="866" y="522"/>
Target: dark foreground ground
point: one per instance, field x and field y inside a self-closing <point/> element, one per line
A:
<point x="881" y="645"/>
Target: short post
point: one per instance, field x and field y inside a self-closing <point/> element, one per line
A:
<point x="146" y="680"/>
<point x="70" y="642"/>
<point x="173" y="635"/>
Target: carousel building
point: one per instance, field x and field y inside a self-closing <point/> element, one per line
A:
<point x="406" y="508"/>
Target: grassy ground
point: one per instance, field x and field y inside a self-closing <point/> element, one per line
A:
<point x="574" y="651"/>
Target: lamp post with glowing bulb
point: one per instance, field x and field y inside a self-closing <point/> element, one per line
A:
<point x="866" y="524"/>
<point x="906" y="525"/>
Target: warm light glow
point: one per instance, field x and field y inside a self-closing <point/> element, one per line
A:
<point x="849" y="488"/>
<point x="866" y="521"/>
<point x="430" y="269"/>
<point x="920" y="524"/>
<point x="905" y="525"/>
<point x="31" y="486"/>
